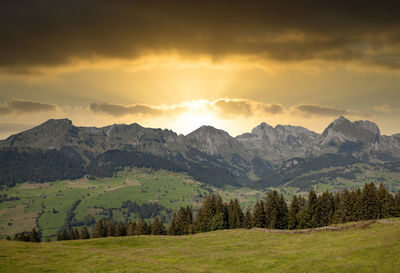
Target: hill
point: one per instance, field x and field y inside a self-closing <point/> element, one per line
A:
<point x="46" y="205"/>
<point x="375" y="248"/>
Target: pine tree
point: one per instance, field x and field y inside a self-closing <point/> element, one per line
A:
<point x="131" y="228"/>
<point x="248" y="220"/>
<point x="259" y="215"/>
<point x="75" y="234"/>
<point x="303" y="218"/>
<point x="293" y="211"/>
<point x="271" y="208"/>
<point x="157" y="228"/>
<point x="217" y="222"/>
<point x="120" y="230"/>
<point x="141" y="228"/>
<point x="34" y="236"/>
<point x="369" y="202"/>
<point x="312" y="209"/>
<point x="206" y="212"/>
<point x="99" y="230"/>
<point x="235" y="214"/>
<point x="174" y="228"/>
<point x="84" y="233"/>
<point x="188" y="220"/>
<point x="64" y="235"/>
<point x="282" y="213"/>
<point x="358" y="206"/>
<point x="396" y="205"/>
<point x="325" y="209"/>
<point x="110" y="227"/>
<point x="385" y="203"/>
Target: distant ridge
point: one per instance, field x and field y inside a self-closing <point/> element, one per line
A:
<point x="208" y="154"/>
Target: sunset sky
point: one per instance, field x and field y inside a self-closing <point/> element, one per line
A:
<point x="183" y="64"/>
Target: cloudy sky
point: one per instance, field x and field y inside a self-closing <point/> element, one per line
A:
<point x="181" y="64"/>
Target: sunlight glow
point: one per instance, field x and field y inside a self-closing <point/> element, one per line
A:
<point x="200" y="113"/>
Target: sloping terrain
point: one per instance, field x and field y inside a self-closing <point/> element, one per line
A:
<point x="375" y="248"/>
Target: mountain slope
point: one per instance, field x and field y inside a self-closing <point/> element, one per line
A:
<point x="208" y="154"/>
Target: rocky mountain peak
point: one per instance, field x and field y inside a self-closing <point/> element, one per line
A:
<point x="206" y="130"/>
<point x="343" y="129"/>
<point x="262" y="129"/>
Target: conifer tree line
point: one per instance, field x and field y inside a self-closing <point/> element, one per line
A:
<point x="32" y="236"/>
<point x="274" y="213"/>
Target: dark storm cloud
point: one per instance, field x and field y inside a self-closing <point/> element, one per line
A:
<point x="16" y="106"/>
<point x="48" y="33"/>
<point x="321" y="110"/>
<point x="117" y="110"/>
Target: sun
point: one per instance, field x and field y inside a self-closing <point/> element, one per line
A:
<point x="199" y="113"/>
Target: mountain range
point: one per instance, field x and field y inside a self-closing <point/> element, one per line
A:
<point x="268" y="155"/>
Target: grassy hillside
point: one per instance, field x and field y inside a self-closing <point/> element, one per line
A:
<point x="104" y="196"/>
<point x="372" y="249"/>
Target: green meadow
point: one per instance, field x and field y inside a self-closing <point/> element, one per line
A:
<point x="45" y="205"/>
<point x="375" y="248"/>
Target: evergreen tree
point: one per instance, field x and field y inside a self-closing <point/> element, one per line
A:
<point x="396" y="205"/>
<point x="385" y="203"/>
<point x="217" y="222"/>
<point x="369" y="202"/>
<point x="120" y="229"/>
<point x="312" y="209"/>
<point x="293" y="211"/>
<point x="157" y="228"/>
<point x="358" y="206"/>
<point x="235" y="214"/>
<point x="259" y="215"/>
<point x="325" y="209"/>
<point x="248" y="220"/>
<point x="206" y="212"/>
<point x="76" y="234"/>
<point x="99" y="230"/>
<point x="141" y="228"/>
<point x="34" y="236"/>
<point x="110" y="227"/>
<point x="188" y="220"/>
<point x="174" y="228"/>
<point x="303" y="218"/>
<point x="271" y="208"/>
<point x="130" y="231"/>
<point x="64" y="235"/>
<point x="337" y="215"/>
<point x="282" y="213"/>
<point x="84" y="233"/>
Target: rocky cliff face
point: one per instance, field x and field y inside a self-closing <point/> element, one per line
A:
<point x="278" y="144"/>
<point x="362" y="139"/>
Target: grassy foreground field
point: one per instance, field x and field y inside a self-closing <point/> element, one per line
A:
<point x="373" y="249"/>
